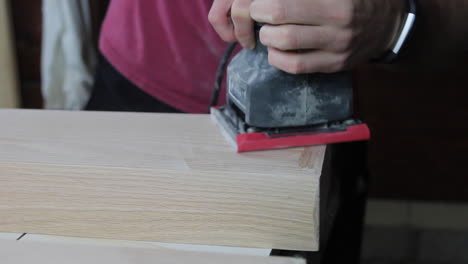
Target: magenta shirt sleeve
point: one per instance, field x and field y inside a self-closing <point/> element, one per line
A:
<point x="166" y="47"/>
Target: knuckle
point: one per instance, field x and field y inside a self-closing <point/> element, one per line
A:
<point x="293" y="64"/>
<point x="343" y="16"/>
<point x="323" y="68"/>
<point x="237" y="14"/>
<point x="322" y="38"/>
<point x="344" y="41"/>
<point x="228" y="37"/>
<point x="265" y="36"/>
<point x="296" y="66"/>
<point x="235" y="6"/>
<point x="240" y="9"/>
<point x="289" y="39"/>
<point x="340" y="63"/>
<point x="348" y="37"/>
<point x="278" y="11"/>
<point x="242" y="36"/>
<point x="213" y="18"/>
<point x="240" y="4"/>
<point x="331" y="68"/>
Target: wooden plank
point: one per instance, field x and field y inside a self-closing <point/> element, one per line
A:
<point x="8" y="76"/>
<point x="24" y="252"/>
<point x="154" y="177"/>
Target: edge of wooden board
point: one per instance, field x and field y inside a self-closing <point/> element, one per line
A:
<point x="26" y="252"/>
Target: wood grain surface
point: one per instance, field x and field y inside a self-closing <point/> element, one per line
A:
<point x="155" y="177"/>
<point x="8" y="76"/>
<point x="25" y="252"/>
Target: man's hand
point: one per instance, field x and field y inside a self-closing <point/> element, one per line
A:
<point x="231" y="19"/>
<point x="326" y="35"/>
<point x="305" y="36"/>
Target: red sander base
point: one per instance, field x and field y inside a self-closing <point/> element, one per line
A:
<point x="260" y="141"/>
<point x="246" y="142"/>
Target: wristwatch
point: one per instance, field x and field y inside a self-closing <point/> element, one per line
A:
<point x="404" y="35"/>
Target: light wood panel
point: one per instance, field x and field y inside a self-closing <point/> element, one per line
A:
<point x="8" y="76"/>
<point x="25" y="252"/>
<point x="156" y="177"/>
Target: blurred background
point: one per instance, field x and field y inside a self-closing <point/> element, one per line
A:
<point x="418" y="157"/>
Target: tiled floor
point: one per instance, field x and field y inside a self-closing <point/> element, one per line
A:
<point x="415" y="233"/>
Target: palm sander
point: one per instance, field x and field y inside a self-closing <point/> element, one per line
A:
<point x="268" y="108"/>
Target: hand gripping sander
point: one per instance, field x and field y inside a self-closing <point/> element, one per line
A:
<point x="268" y="108"/>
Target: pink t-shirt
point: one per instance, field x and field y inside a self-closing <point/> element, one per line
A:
<point x="165" y="47"/>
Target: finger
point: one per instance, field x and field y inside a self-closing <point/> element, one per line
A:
<point x="220" y="18"/>
<point x="307" y="62"/>
<point x="243" y="24"/>
<point x="306" y="12"/>
<point x="300" y="37"/>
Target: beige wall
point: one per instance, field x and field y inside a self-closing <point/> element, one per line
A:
<point x="8" y="76"/>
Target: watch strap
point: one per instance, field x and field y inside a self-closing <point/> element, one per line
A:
<point x="404" y="36"/>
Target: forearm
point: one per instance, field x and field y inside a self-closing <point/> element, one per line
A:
<point x="441" y="36"/>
